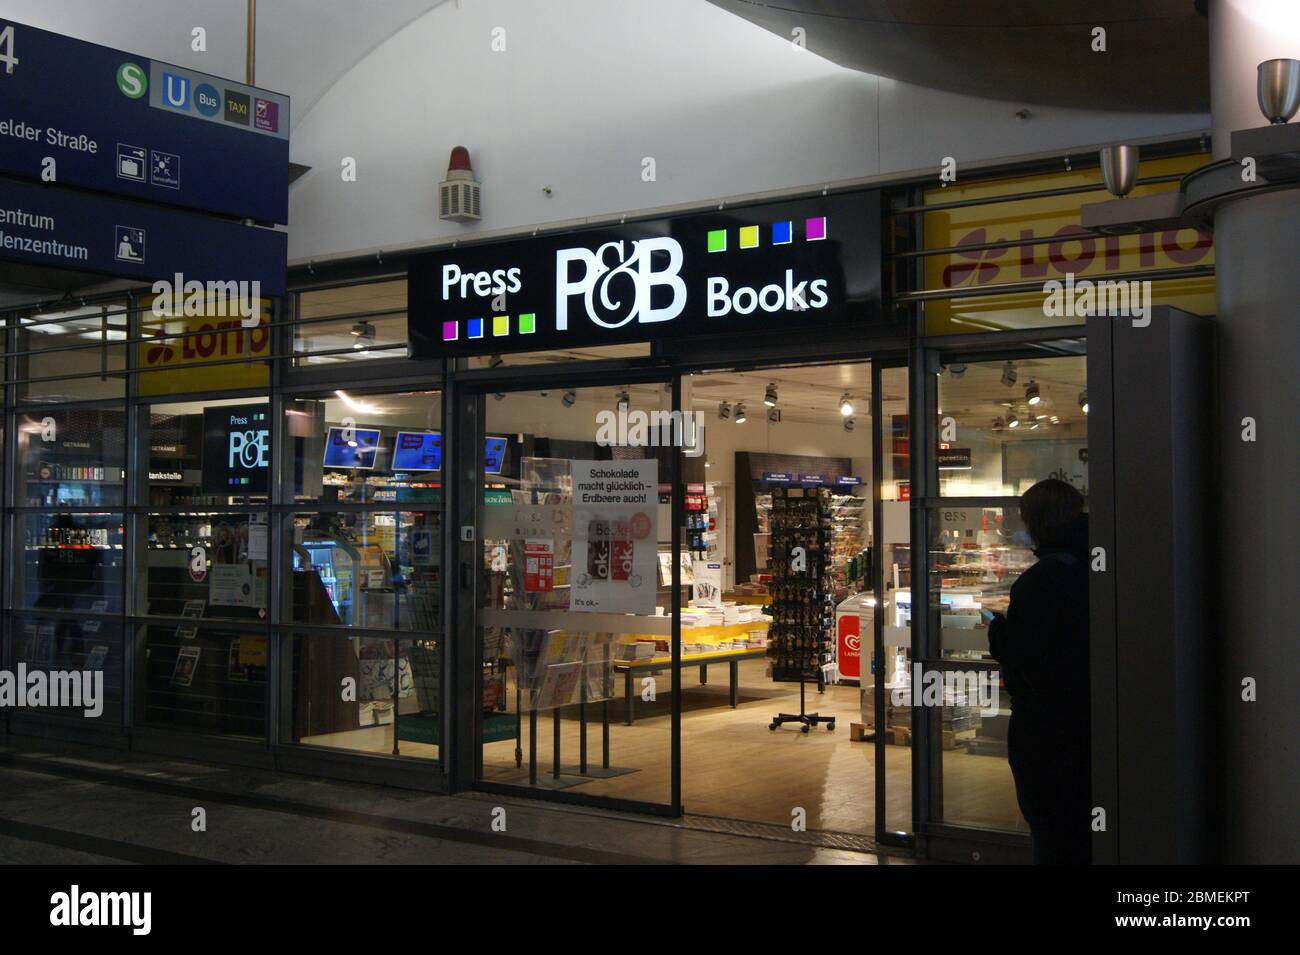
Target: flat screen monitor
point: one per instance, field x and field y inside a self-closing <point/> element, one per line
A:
<point x="417" y="451"/>
<point x="355" y="450"/>
<point x="494" y="455"/>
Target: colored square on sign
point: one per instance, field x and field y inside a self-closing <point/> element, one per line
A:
<point x="450" y="330"/>
<point x="814" y="229"/>
<point x="527" y="323"/>
<point x="474" y="328"/>
<point x="717" y="240"/>
<point x="500" y="324"/>
<point x="782" y="232"/>
<point x="749" y="237"/>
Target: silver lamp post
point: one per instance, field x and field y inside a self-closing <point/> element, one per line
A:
<point x="1278" y="90"/>
<point x="1119" y="169"/>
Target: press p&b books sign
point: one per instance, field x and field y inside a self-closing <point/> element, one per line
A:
<point x="790" y="266"/>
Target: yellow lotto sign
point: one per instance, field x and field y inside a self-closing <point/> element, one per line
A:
<point x="175" y="361"/>
<point x="1056" y="219"/>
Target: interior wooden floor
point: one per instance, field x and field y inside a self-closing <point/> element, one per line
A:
<point x="733" y="766"/>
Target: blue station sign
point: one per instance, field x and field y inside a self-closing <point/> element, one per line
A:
<point x="80" y="114"/>
<point x="66" y="229"/>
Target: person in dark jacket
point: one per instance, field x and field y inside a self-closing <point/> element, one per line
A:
<point x="1042" y="646"/>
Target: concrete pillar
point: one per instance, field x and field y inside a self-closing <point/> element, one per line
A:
<point x="1256" y="241"/>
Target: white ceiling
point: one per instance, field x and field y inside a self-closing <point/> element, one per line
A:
<point x="303" y="46"/>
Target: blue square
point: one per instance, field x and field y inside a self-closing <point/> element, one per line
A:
<point x="782" y="233"/>
<point x="474" y="328"/>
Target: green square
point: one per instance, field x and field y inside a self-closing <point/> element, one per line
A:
<point x="749" y="237"/>
<point x="527" y="323"/>
<point x="500" y="324"/>
<point x="717" y="240"/>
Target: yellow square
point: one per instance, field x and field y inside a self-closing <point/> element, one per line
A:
<point x="749" y="237"/>
<point x="500" y="324"/>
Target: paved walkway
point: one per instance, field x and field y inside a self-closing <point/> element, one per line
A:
<point x="67" y="804"/>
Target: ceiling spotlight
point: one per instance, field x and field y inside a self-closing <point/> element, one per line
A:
<point x="1012" y="420"/>
<point x="724" y="410"/>
<point x="957" y="370"/>
<point x="740" y="412"/>
<point x="707" y="463"/>
<point x="1009" y="374"/>
<point x="623" y="399"/>
<point x="1032" y="394"/>
<point x="846" y="404"/>
<point x="849" y="424"/>
<point x="997" y="424"/>
<point x="499" y="395"/>
<point x="364" y="333"/>
<point x="568" y="398"/>
<point x="1054" y="419"/>
<point x="1083" y="401"/>
<point x="774" y="415"/>
<point x="495" y="361"/>
<point x="1034" y="426"/>
<point x="769" y="396"/>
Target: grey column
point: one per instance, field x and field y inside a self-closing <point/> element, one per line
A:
<point x="1256" y="241"/>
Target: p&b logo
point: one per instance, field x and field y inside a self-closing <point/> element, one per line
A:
<point x="617" y="282"/>
<point x="247" y="449"/>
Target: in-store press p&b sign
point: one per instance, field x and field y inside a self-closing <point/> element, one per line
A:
<point x="782" y="266"/>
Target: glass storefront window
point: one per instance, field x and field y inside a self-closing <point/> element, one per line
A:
<point x="52" y="643"/>
<point x="397" y="706"/>
<point x="366" y="449"/>
<point x="71" y="561"/>
<point x="1017" y="422"/>
<point x="976" y="554"/>
<point x="374" y="569"/>
<point x="71" y="355"/>
<point x="204" y="565"/>
<point x="70" y="458"/>
<point x="371" y="324"/>
<point x="209" y="452"/>
<point x="197" y="677"/>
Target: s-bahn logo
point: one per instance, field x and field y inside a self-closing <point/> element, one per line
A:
<point x="616" y="282"/>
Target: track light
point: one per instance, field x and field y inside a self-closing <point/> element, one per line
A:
<point x="849" y="424"/>
<point x="1032" y="394"/>
<point x="997" y="424"/>
<point x="623" y="399"/>
<point x="769" y="396"/>
<point x="568" y="398"/>
<point x="957" y="370"/>
<point x="774" y="415"/>
<point x="846" y="404"/>
<point x="724" y="410"/>
<point x="1009" y="374"/>
<point x="740" y="412"/>
<point x="364" y="333"/>
<point x="1012" y="420"/>
<point x="1083" y="401"/>
<point x="495" y="361"/>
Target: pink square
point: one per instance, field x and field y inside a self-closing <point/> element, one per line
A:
<point x="814" y="229"/>
<point x="449" y="331"/>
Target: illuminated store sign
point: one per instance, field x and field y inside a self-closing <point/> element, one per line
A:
<point x="236" y="449"/>
<point x="782" y="266"/>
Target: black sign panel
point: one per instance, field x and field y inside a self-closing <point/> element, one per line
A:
<point x="792" y="266"/>
<point x="236" y="449"/>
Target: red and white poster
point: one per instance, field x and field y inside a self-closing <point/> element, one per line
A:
<point x="539" y="566"/>
<point x="615" y="524"/>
